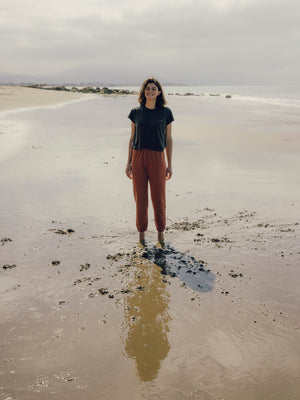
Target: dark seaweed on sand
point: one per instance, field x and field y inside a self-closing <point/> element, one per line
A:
<point x="188" y="269"/>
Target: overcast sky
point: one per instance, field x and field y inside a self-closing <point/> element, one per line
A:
<point x="188" y="41"/>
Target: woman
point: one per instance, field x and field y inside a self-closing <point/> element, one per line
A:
<point x="151" y="125"/>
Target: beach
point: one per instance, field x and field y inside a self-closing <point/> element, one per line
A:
<point x="87" y="313"/>
<point x="18" y="97"/>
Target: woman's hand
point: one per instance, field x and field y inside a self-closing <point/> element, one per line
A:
<point x="169" y="173"/>
<point x="128" y="171"/>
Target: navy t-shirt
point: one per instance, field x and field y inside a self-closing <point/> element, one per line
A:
<point x="150" y="127"/>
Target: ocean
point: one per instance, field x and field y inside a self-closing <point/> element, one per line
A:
<point x="285" y="95"/>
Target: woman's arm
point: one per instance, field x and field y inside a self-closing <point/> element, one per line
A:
<point x="128" y="169"/>
<point x="169" y="148"/>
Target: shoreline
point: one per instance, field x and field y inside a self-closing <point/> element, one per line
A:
<point x="113" y="91"/>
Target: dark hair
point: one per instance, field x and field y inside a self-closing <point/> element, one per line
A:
<point x="160" y="100"/>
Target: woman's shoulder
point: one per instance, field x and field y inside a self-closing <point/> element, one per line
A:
<point x="137" y="108"/>
<point x="166" y="109"/>
<point x="134" y="113"/>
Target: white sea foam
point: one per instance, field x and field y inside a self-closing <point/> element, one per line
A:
<point x="268" y="100"/>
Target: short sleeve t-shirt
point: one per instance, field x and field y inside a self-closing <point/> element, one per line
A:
<point x="150" y="127"/>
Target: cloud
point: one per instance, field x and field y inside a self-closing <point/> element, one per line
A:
<point x="219" y="40"/>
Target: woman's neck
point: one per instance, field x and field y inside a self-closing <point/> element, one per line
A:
<point x="151" y="104"/>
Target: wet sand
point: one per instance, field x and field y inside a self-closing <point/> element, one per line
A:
<point x="87" y="313"/>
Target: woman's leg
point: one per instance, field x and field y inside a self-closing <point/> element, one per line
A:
<point x="140" y="190"/>
<point x="156" y="167"/>
<point x="142" y="238"/>
<point x="161" y="237"/>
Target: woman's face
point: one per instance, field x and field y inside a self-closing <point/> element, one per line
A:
<point x="151" y="91"/>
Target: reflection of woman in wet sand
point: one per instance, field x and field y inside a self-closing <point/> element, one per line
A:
<point x="147" y="321"/>
<point x="151" y="124"/>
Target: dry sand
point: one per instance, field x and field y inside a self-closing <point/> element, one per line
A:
<point x="88" y="315"/>
<point x="17" y="97"/>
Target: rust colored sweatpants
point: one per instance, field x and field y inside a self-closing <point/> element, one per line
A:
<point x="149" y="166"/>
